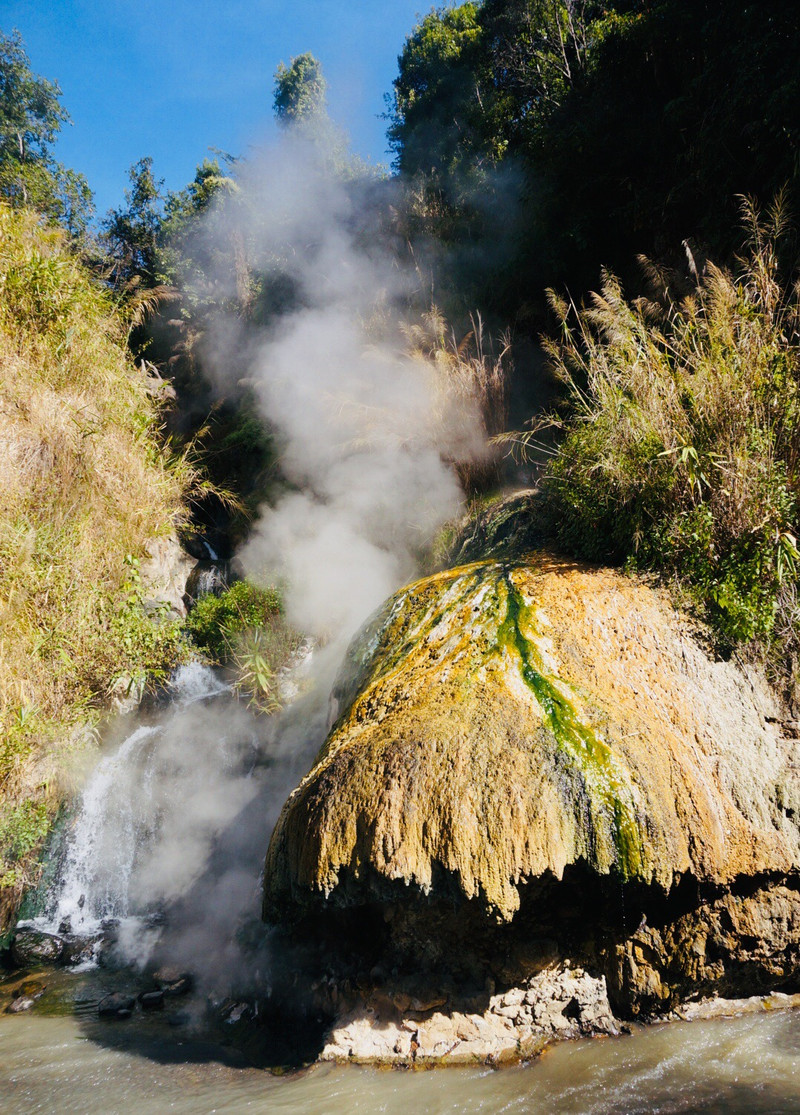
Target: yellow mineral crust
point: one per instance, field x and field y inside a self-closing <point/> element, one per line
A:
<point x="504" y="720"/>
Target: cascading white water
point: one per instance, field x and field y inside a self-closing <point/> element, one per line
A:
<point x="170" y="834"/>
<point x="114" y="823"/>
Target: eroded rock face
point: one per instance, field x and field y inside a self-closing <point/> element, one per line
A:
<point x="541" y="749"/>
<point x="501" y="722"/>
<point x="557" y="1003"/>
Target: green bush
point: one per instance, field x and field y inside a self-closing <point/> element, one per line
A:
<point x="244" y="628"/>
<point x="23" y="830"/>
<point x="681" y="450"/>
<point x="216" y="622"/>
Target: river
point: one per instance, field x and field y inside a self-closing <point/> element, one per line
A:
<point x="749" y="1065"/>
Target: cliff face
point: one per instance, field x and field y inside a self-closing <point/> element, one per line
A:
<point x="501" y="722"/>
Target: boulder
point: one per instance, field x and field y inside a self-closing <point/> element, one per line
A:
<point x="536" y="762"/>
<point x="502" y="722"/>
<point x="116" y="1005"/>
<point x="32" y="947"/>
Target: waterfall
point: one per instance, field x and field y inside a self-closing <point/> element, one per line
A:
<point x="116" y="819"/>
<point x="167" y="845"/>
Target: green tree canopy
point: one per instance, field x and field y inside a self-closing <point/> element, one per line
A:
<point x="31" y="116"/>
<point x="300" y="91"/>
<point x="434" y="116"/>
<point x="131" y="233"/>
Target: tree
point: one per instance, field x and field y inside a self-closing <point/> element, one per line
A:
<point x="437" y="101"/>
<point x="300" y="91"/>
<point x="31" y="116"/>
<point x="131" y="233"/>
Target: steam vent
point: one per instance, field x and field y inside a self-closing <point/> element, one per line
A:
<point x="542" y="749"/>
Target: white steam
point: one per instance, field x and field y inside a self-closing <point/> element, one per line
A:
<point x="367" y="438"/>
<point x="367" y="435"/>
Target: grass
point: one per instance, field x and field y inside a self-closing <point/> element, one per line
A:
<point x="85" y="484"/>
<point x="680" y="450"/>
<point x="244" y="628"/>
<point x="472" y="385"/>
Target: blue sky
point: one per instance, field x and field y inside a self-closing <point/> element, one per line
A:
<point x="171" y="78"/>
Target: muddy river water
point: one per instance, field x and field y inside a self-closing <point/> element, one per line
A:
<point x="62" y="1064"/>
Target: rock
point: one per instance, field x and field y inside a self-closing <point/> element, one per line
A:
<point x="165" y="572"/>
<point x="173" y="982"/>
<point x="503" y="722"/>
<point x="538" y="773"/>
<point x="20" y="1004"/>
<point x="116" y="1005"/>
<point x="152" y="1000"/>
<point x="80" y="950"/>
<point x="32" y="947"/>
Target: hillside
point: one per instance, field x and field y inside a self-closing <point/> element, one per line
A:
<point x="85" y="485"/>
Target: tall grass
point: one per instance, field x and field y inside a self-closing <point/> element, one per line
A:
<point x="84" y="485"/>
<point x="681" y="447"/>
<point x="472" y="378"/>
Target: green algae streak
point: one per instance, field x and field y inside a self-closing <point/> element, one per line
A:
<point x="605" y="783"/>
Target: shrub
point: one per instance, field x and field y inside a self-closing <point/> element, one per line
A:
<point x="23" y="829"/>
<point x="681" y="449"/>
<point x="244" y="628"/>
<point x="215" y="622"/>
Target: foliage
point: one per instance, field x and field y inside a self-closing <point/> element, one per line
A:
<point x="30" y="118"/>
<point x="433" y="110"/>
<point x="300" y="90"/>
<point x="682" y="448"/>
<point x="85" y="484"/>
<point x="131" y="234"/>
<point x="23" y="830"/>
<point x="244" y="628"/>
<point x="215" y="621"/>
<point x="619" y="119"/>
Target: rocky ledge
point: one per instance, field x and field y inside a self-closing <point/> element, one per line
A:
<point x="531" y="751"/>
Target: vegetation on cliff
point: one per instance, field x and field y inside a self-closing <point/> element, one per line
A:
<point x="244" y="628"/>
<point x="681" y="446"/>
<point x="85" y="484"/>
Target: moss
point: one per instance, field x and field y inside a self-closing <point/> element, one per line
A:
<point x="469" y="761"/>
<point x="608" y="790"/>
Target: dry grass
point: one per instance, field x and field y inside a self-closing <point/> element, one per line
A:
<point x="681" y="448"/>
<point x="84" y="484"/>
<point x="472" y="380"/>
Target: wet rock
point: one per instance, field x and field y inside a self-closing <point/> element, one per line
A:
<point x="80" y="950"/>
<point x="207" y="578"/>
<point x="500" y="723"/>
<point x="116" y="1005"/>
<point x="32" y="947"/>
<point x="173" y="982"/>
<point x="20" y="1004"/>
<point x="152" y="1000"/>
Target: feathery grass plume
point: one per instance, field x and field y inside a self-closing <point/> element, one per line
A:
<point x="471" y="378"/>
<point x="680" y="445"/>
<point x="85" y="485"/>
